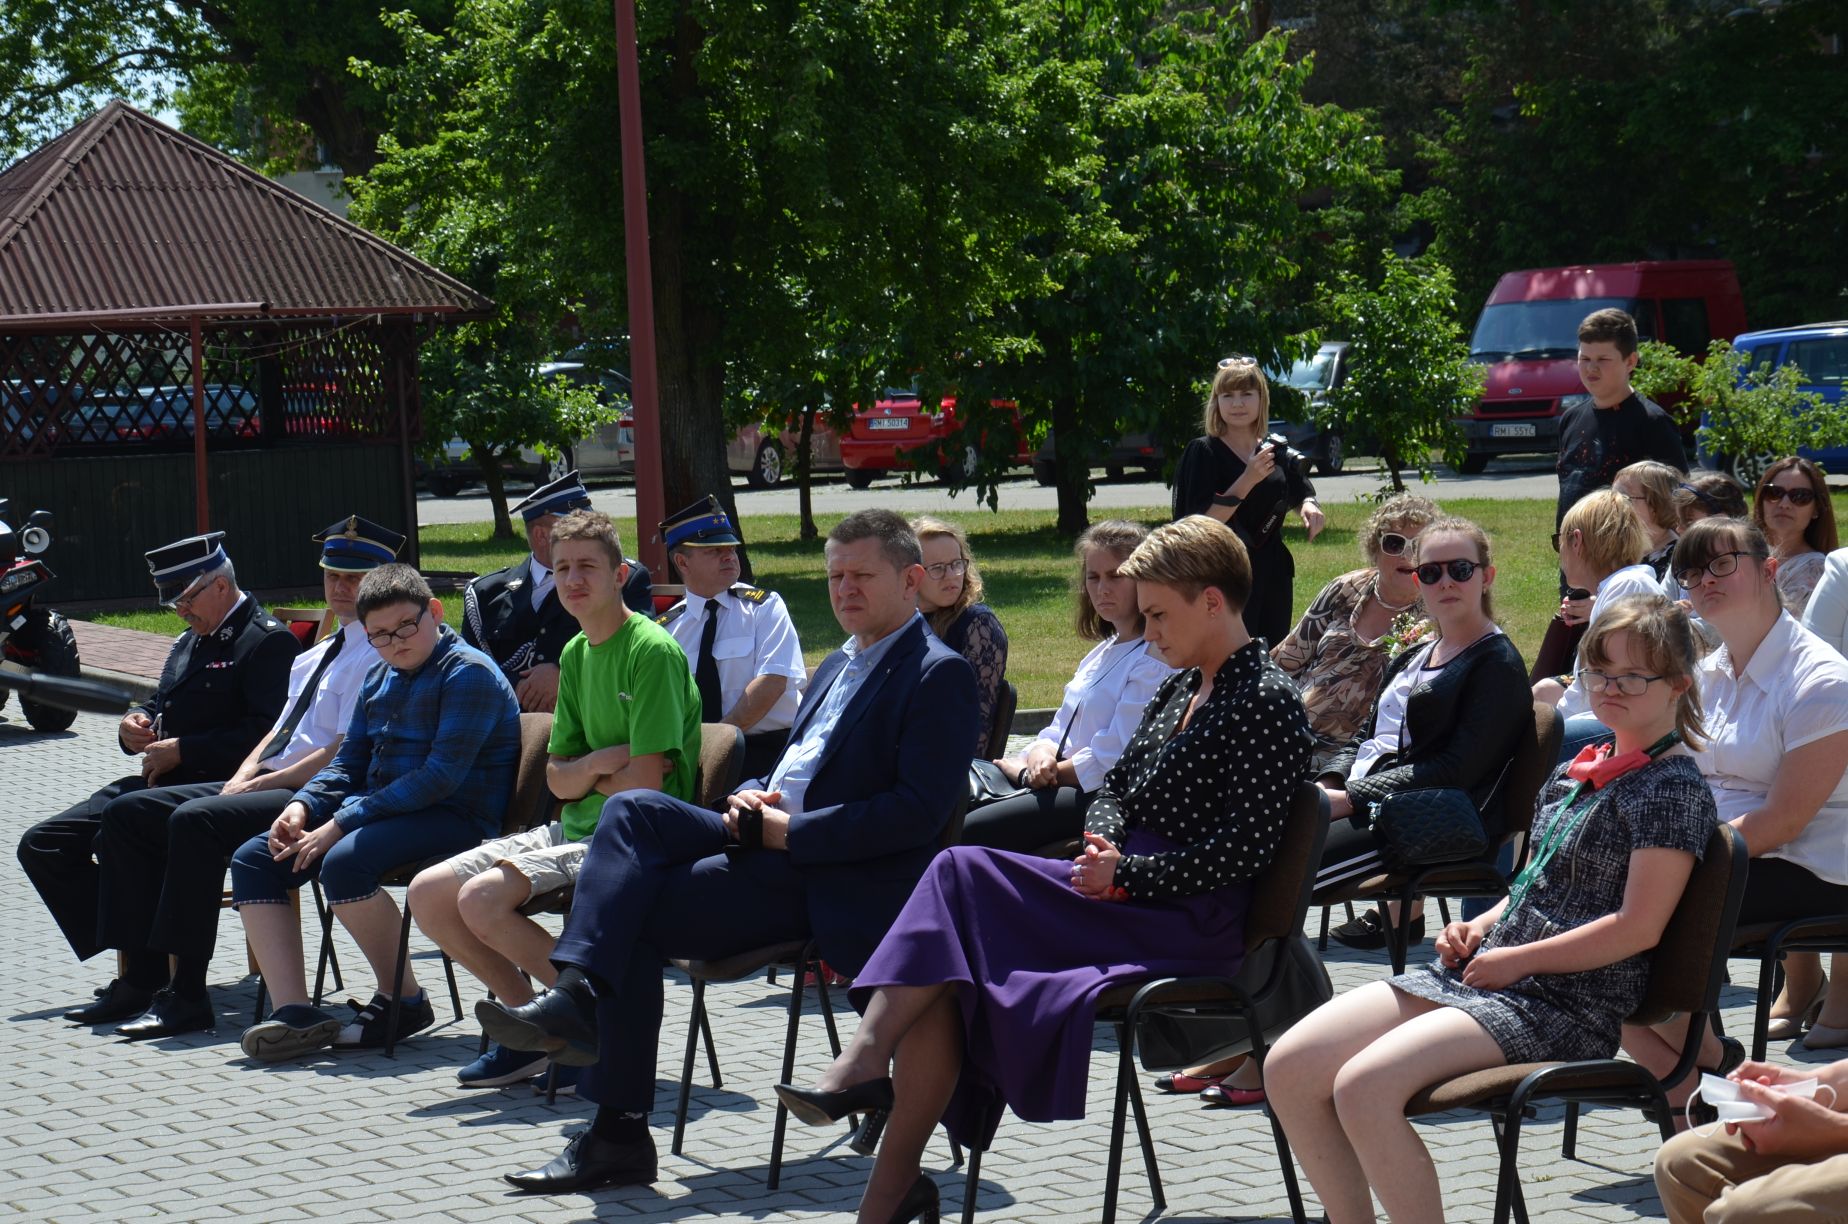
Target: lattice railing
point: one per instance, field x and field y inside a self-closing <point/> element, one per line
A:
<point x="114" y="391"/>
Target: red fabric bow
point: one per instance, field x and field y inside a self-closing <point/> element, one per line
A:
<point x="1596" y="766"/>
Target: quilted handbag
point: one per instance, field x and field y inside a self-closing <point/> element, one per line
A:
<point x="1434" y="824"/>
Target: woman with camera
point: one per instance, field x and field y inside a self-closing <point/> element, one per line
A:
<point x="1247" y="480"/>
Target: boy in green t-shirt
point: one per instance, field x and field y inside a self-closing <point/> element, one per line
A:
<point x="627" y="718"/>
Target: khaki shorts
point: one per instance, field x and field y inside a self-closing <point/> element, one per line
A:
<point x="543" y="856"/>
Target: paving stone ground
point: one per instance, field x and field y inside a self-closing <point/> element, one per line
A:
<point x="188" y="1129"/>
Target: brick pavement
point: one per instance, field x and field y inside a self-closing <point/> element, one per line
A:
<point x="186" y="1128"/>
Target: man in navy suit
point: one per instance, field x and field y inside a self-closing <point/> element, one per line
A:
<point x="829" y="845"/>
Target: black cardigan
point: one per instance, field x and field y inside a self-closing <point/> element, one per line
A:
<point x="1465" y="724"/>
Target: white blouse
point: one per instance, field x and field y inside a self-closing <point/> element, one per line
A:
<point x="1630" y="580"/>
<point x="1103" y="706"/>
<point x="1793" y="692"/>
<point x="1827" y="613"/>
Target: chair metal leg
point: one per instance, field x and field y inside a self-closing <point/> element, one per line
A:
<point x="1114" y="1169"/>
<point x="789" y="1071"/>
<point x="1321" y="941"/>
<point x="449" y="971"/>
<point x="972" y="1184"/>
<point x="1767" y="991"/>
<point x="712" y="1053"/>
<point x="1443" y="909"/>
<point x="1142" y="1133"/>
<point x="326" y="955"/>
<point x="327" y="924"/>
<point x="694" y="1023"/>
<point x="256" y="1017"/>
<point x="397" y="1001"/>
<point x="1508" y="1177"/>
<point x="551" y="1084"/>
<point x="1288" y="1165"/>
<point x="1568" y="1145"/>
<point x="483" y="1048"/>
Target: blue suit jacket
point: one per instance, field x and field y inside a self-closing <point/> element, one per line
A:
<point x="889" y="778"/>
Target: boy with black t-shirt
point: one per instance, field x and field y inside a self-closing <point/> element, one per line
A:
<point x="1613" y="426"/>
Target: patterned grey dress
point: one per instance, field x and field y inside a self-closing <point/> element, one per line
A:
<point x="1569" y="1016"/>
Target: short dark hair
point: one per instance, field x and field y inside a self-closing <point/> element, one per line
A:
<point x="1609" y="326"/>
<point x="897" y="542"/>
<point x="390" y="584"/>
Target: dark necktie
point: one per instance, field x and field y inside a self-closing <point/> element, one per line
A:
<point x="286" y="731"/>
<point x="706" y="671"/>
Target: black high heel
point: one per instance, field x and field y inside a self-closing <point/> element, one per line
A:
<point x="921" y="1202"/>
<point x="819" y="1108"/>
<point x="865" y="1140"/>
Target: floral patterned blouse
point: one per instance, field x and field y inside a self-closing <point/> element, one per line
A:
<point x="1797" y="578"/>
<point x="1334" y="667"/>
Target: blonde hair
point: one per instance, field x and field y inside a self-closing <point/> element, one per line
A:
<point x="1191" y="554"/>
<point x="592" y="525"/>
<point x="1662" y="634"/>
<point x="1450" y="524"/>
<point x="1400" y="510"/>
<point x="1659" y="484"/>
<point x="1238" y="374"/>
<point x="927" y="528"/>
<point x="1119" y="538"/>
<point x="1611" y="531"/>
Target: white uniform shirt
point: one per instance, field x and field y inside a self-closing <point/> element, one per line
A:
<point x="1103" y="707"/>
<point x="335" y="695"/>
<point x="753" y="639"/>
<point x="1630" y="580"/>
<point x="1793" y="692"/>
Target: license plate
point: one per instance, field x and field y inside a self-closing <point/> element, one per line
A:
<point x="883" y="423"/>
<point x="1511" y="430"/>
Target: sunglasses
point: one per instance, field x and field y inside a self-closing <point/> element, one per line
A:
<point x="1798" y="497"/>
<point x="1461" y="570"/>
<point x="1394" y="545"/>
<point x="1236" y="359"/>
<point x="1560" y="535"/>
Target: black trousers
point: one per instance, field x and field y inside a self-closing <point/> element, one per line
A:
<point x="162" y="855"/>
<point x="1027" y="823"/>
<point x="1777" y="890"/>
<point x="58" y="857"/>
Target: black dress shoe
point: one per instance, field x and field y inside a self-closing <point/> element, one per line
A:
<point x="589" y="1161"/>
<point x="169" y="1016"/>
<point x="819" y="1108"/>
<point x="119" y="1001"/>
<point x="554" y="1023"/>
<point x="921" y="1202"/>
<point x="1367" y="933"/>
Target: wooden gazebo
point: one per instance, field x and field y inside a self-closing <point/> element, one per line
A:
<point x="188" y="346"/>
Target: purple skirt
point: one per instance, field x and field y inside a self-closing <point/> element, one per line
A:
<point x="1030" y="958"/>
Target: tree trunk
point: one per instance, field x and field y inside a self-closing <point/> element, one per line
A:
<point x="1390" y="455"/>
<point x="805" y="474"/>
<point x="1071" y="464"/>
<point x="496" y="480"/>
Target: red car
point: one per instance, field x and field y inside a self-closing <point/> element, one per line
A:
<point x="881" y="436"/>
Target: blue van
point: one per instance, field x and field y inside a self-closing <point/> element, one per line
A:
<point x="1820" y="350"/>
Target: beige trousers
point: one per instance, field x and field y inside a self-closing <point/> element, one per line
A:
<point x="1715" y="1180"/>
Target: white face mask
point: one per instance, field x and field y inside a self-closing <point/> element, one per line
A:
<point x="1723" y="1094"/>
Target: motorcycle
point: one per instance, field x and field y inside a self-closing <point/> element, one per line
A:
<point x="33" y="637"/>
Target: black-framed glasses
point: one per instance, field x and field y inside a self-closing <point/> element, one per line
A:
<point x="1798" y="497"/>
<point x="1461" y="570"/>
<point x="1629" y="684"/>
<point x="948" y="569"/>
<point x="386" y="637"/>
<point x="184" y="603"/>
<point x="1393" y="544"/>
<point x="1689" y="577"/>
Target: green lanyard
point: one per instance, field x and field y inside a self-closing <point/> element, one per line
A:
<point x="1563" y="828"/>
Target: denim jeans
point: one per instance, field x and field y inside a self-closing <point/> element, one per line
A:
<point x="352" y="869"/>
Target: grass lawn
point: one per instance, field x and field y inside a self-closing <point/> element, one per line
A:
<point x="1028" y="571"/>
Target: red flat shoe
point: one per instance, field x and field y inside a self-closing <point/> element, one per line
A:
<point x="1183" y="1084"/>
<point x="1224" y="1096"/>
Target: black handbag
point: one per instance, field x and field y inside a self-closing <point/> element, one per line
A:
<point x="1434" y="824"/>
<point x="1169" y="1040"/>
<point x="988" y="784"/>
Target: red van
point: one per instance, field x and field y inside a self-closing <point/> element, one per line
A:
<point x="1527" y="336"/>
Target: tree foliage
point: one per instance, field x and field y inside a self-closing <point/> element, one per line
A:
<point x="1409" y="373"/>
<point x="1753" y="415"/>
